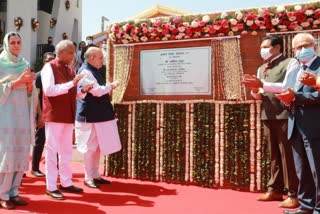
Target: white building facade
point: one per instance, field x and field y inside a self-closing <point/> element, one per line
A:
<point x="67" y="13"/>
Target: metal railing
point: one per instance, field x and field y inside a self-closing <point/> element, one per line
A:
<point x="41" y="49"/>
<point x="3" y="5"/>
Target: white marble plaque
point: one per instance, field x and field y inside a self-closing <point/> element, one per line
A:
<point x="178" y="71"/>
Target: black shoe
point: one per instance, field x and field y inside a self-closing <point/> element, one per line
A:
<point x="298" y="211"/>
<point x="101" y="181"/>
<point x="37" y="173"/>
<point x="55" y="194"/>
<point x="71" y="189"/>
<point x="18" y="201"/>
<point x="91" y="184"/>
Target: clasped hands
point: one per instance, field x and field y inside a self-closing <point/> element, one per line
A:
<point x="88" y="87"/>
<point x="308" y="79"/>
<point x="27" y="78"/>
<point x="252" y="82"/>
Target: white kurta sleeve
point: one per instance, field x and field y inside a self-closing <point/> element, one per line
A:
<point x="51" y="89"/>
<point x="278" y="87"/>
<point x="97" y="90"/>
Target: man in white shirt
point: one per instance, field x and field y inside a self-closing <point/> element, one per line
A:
<point x="59" y="95"/>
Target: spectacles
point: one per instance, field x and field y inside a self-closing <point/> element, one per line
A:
<point x="299" y="47"/>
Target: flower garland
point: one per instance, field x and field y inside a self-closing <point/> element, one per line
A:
<point x="145" y="138"/>
<point x="204" y="145"/>
<point x="108" y="58"/>
<point x="259" y="150"/>
<point x="35" y="24"/>
<point x="216" y="144"/>
<point x="53" y="22"/>
<point x="158" y="124"/>
<point x="130" y="119"/>
<point x="174" y="142"/>
<point x="221" y="146"/>
<point x="252" y="145"/>
<point x="18" y="23"/>
<point x="273" y="19"/>
<point x="189" y="109"/>
<point x="161" y="141"/>
<point x="207" y="143"/>
<point x="133" y="139"/>
<point x="236" y="146"/>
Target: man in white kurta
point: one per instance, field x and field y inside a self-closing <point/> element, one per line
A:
<point x="59" y="97"/>
<point x="95" y="127"/>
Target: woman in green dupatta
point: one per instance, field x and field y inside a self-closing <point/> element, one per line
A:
<point x="15" y="120"/>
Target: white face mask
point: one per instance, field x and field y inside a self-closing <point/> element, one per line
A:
<point x="89" y="42"/>
<point x="104" y="46"/>
<point x="265" y="53"/>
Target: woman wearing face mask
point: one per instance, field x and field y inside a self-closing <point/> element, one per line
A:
<point x="16" y="129"/>
<point x="272" y="77"/>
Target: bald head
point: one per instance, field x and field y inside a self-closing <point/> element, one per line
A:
<point x="304" y="46"/>
<point x="65" y="51"/>
<point x="302" y="38"/>
<point x="94" y="57"/>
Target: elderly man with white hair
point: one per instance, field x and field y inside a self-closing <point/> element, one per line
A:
<point x="95" y="126"/>
<point x="59" y="98"/>
<point x="303" y="101"/>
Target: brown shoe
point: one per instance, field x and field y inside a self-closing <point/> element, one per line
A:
<point x="18" y="201"/>
<point x="270" y="196"/>
<point x="8" y="205"/>
<point x="290" y="202"/>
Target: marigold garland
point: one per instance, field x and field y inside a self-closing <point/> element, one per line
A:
<point x="145" y="146"/>
<point x="221" y="151"/>
<point x="204" y="145"/>
<point x="174" y="142"/>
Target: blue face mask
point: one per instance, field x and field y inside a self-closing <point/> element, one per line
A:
<point x="305" y="54"/>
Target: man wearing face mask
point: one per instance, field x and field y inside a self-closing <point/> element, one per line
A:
<point x="303" y="131"/>
<point x="102" y="69"/>
<point x="50" y="46"/>
<point x="272" y="77"/>
<point x="89" y="40"/>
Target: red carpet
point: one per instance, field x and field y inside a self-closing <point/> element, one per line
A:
<point x="139" y="197"/>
